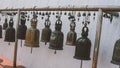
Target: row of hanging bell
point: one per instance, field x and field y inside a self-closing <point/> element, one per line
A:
<point x="71" y="35"/>
<point x="116" y="53"/>
<point x="10" y="32"/>
<point x="56" y="39"/>
<point x="32" y="34"/>
<point x="46" y="32"/>
<point x="21" y="33"/>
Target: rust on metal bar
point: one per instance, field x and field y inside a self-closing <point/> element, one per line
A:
<point x="109" y="8"/>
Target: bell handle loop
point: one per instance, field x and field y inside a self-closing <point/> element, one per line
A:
<point x="81" y="64"/>
<point x="47" y="23"/>
<point x="72" y="24"/>
<point x="85" y="29"/>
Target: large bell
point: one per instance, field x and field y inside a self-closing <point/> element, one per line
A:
<point x="0" y="31"/>
<point x="56" y="39"/>
<point x="32" y="34"/>
<point x="5" y="24"/>
<point x="10" y="32"/>
<point x="83" y="46"/>
<point x="116" y="53"/>
<point x="71" y="35"/>
<point x="22" y="28"/>
<point x="46" y="32"/>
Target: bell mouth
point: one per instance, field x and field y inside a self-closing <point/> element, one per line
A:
<point x="82" y="58"/>
<point x="55" y="48"/>
<point x="115" y="62"/>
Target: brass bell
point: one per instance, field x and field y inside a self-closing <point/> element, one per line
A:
<point x="5" y="25"/>
<point x="46" y="32"/>
<point x="116" y="53"/>
<point x="78" y="14"/>
<point x="32" y="34"/>
<point x="71" y="35"/>
<point x="56" y="39"/>
<point x="83" y="46"/>
<point x="0" y="31"/>
<point x="10" y="32"/>
<point x="22" y="28"/>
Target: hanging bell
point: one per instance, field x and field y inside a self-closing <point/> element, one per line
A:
<point x="21" y="32"/>
<point x="116" y="53"/>
<point x="46" y="32"/>
<point x="83" y="46"/>
<point x="10" y="32"/>
<point x="32" y="34"/>
<point x="71" y="36"/>
<point x="56" y="39"/>
<point x="0" y="31"/>
<point x="5" y="25"/>
<point x="79" y="14"/>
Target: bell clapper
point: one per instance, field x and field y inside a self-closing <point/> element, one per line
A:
<point x="8" y="43"/>
<point x="21" y="43"/>
<point x="45" y="43"/>
<point x="81" y="64"/>
<point x="55" y="52"/>
<point x="31" y="50"/>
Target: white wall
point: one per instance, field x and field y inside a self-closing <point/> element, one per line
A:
<point x="45" y="58"/>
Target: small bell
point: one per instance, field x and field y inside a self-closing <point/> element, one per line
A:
<point x="116" y="53"/>
<point x="56" y="39"/>
<point x="5" y="25"/>
<point x="46" y="32"/>
<point x="69" y="14"/>
<point x="22" y="29"/>
<point x="71" y="36"/>
<point x="78" y="15"/>
<point x="32" y="34"/>
<point x="10" y="32"/>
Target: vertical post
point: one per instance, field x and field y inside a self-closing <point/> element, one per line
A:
<point x="81" y="64"/>
<point x="16" y="42"/>
<point x="97" y="38"/>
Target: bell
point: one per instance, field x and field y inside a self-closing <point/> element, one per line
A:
<point x="56" y="39"/>
<point x="10" y="32"/>
<point x="46" y="32"/>
<point x="5" y="25"/>
<point x="116" y="53"/>
<point x="83" y="46"/>
<point x="78" y="14"/>
<point x="71" y="35"/>
<point x="32" y="34"/>
<point x="22" y="29"/>
<point x="0" y="31"/>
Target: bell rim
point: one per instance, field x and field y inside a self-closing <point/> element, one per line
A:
<point x="70" y="44"/>
<point x="27" y="45"/>
<point x="55" y="48"/>
<point x="115" y="62"/>
<point x="81" y="58"/>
